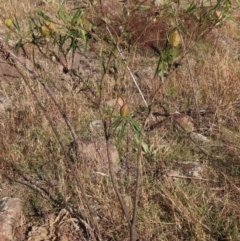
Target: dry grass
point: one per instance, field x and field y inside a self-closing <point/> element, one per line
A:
<point x="33" y="164"/>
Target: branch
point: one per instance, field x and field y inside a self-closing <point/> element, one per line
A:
<point x="10" y="58"/>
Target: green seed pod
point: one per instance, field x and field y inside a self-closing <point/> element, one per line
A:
<point x="174" y="39"/>
<point x="8" y="22"/>
<point x="45" y="31"/>
<point x="47" y="28"/>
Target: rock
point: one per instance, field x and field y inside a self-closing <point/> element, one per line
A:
<point x="54" y="228"/>
<point x="38" y="234"/>
<point x="199" y="137"/>
<point x="184" y="170"/>
<point x="93" y="154"/>
<point x="110" y="103"/>
<point x="184" y="121"/>
<point x="96" y="126"/>
<point x="191" y="169"/>
<point x="10" y="211"/>
<point x="145" y="73"/>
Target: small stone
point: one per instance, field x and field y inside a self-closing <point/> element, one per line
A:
<point x="199" y="137"/>
<point x="10" y="211"/>
<point x="96" y="125"/>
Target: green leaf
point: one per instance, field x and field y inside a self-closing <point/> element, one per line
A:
<point x="16" y="24"/>
<point x="117" y="122"/>
<point x="73" y="45"/>
<point x="158" y="66"/>
<point x="63" y="15"/>
<point x="135" y="126"/>
<point x="18" y="45"/>
<point x="144" y="147"/>
<point x="122" y="131"/>
<point x="44" y="16"/>
<point x="191" y="8"/>
<point x="77" y="18"/>
<point x="33" y="57"/>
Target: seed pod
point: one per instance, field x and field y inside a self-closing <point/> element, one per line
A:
<point x="51" y="26"/>
<point x="8" y="22"/>
<point x="45" y="31"/>
<point x="47" y="28"/>
<point x="124" y="110"/>
<point x="174" y="39"/>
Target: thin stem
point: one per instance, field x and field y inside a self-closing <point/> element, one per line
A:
<point x="113" y="179"/>
<point x="132" y="75"/>
<point x="133" y="236"/>
<point x="194" y="94"/>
